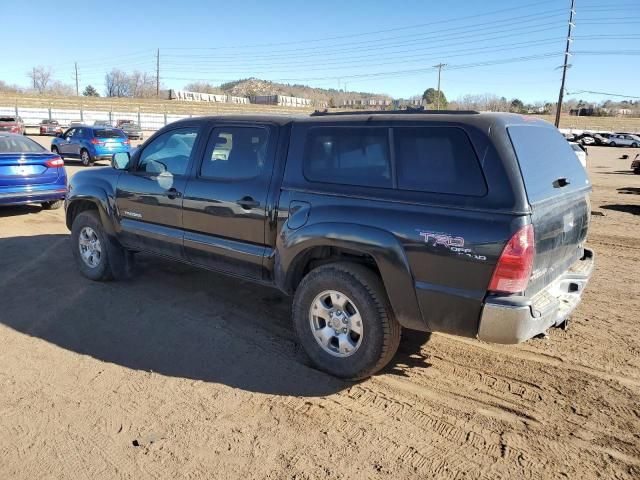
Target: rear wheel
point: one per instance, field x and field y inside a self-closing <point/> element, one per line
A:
<point x="344" y="321"/>
<point x="85" y="158"/>
<point x="637" y="171"/>
<point x="634" y="145"/>
<point x="613" y="144"/>
<point x="52" y="205"/>
<point x="98" y="256"/>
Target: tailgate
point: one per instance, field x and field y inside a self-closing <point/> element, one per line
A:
<point x="560" y="228"/>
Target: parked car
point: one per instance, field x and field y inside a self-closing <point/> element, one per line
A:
<point x="467" y="223"/>
<point x="102" y="123"/>
<point x="580" y="152"/>
<point x="635" y="165"/>
<point x="75" y="123"/>
<point x="123" y="121"/>
<point x="624" y="140"/>
<point x="29" y="173"/>
<point x="601" y="139"/>
<point x="90" y="144"/>
<point x="12" y="124"/>
<point x="585" y="139"/>
<point x="133" y="131"/>
<point x="50" y="127"/>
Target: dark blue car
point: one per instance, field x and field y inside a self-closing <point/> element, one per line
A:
<point x="30" y="174"/>
<point x="89" y="143"/>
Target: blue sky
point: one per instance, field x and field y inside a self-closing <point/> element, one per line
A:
<point x="332" y="42"/>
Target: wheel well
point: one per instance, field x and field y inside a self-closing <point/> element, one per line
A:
<point x="76" y="208"/>
<point x="317" y="256"/>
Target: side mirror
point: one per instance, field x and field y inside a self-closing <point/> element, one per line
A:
<point x="120" y="160"/>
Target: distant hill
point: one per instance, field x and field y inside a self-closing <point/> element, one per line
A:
<point x="254" y="86"/>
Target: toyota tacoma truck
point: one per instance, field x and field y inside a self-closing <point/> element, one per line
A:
<point x="471" y="224"/>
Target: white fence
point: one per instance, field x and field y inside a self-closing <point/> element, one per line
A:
<point x="33" y="116"/>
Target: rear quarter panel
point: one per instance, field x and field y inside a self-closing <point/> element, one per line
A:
<point x="451" y="243"/>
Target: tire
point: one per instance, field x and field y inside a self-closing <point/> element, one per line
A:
<point x="613" y="144"/>
<point x="113" y="263"/>
<point x="634" y="145"/>
<point x="365" y="294"/>
<point x="54" y="205"/>
<point x="637" y="171"/>
<point x="56" y="151"/>
<point x="85" y="158"/>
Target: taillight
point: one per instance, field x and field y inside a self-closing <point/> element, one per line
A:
<point x="126" y="142"/>
<point x="15" y="129"/>
<point x="513" y="269"/>
<point x="55" y="162"/>
<point x="95" y="141"/>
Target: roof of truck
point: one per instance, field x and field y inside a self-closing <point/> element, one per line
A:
<point x="471" y="117"/>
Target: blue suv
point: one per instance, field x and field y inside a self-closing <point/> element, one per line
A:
<point x="90" y="143"/>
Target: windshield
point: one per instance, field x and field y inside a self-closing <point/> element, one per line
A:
<point x="109" y="133"/>
<point x="18" y="144"/>
<point x="576" y="147"/>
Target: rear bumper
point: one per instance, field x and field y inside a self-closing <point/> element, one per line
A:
<point x="516" y="319"/>
<point x="35" y="196"/>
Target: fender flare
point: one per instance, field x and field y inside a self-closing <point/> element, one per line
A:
<point x="381" y="245"/>
<point x="100" y="198"/>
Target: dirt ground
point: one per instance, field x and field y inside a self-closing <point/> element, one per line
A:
<point x="185" y="373"/>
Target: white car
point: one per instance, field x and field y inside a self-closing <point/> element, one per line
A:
<point x="580" y="153"/>
<point x="624" y="140"/>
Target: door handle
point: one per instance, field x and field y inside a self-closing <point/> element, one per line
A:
<point x="247" y="203"/>
<point x="172" y="193"/>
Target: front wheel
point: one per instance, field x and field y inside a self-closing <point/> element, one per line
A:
<point x="85" y="158"/>
<point x="98" y="256"/>
<point x="637" y="171"/>
<point x="634" y="145"/>
<point x="613" y="144"/>
<point x="344" y="322"/>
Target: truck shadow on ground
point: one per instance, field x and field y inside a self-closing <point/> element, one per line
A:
<point x="624" y="208"/>
<point x="171" y="319"/>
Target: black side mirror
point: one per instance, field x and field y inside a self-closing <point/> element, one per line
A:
<point x="120" y="160"/>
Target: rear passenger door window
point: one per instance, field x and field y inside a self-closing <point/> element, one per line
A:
<point x="437" y="160"/>
<point x="235" y="153"/>
<point x="348" y="156"/>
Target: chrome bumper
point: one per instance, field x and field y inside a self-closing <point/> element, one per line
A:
<point x="516" y="319"/>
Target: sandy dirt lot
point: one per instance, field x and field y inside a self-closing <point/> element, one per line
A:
<point x="186" y="373"/>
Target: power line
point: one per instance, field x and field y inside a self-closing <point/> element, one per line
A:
<point x="468" y="32"/>
<point x="435" y="22"/>
<point x="602" y="93"/>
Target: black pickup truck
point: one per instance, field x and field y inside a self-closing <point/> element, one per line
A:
<point x="467" y="223"/>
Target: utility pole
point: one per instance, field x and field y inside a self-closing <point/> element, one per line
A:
<point x="440" y="66"/>
<point x="158" y="73"/>
<point x="34" y="78"/>
<point x="77" y="87"/>
<point x="566" y="63"/>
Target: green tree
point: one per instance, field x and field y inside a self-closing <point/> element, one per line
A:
<point x="430" y="96"/>
<point x="89" y="91"/>
<point x="517" y="106"/>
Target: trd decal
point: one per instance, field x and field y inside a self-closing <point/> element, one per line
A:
<point x="453" y="244"/>
<point x="443" y="239"/>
